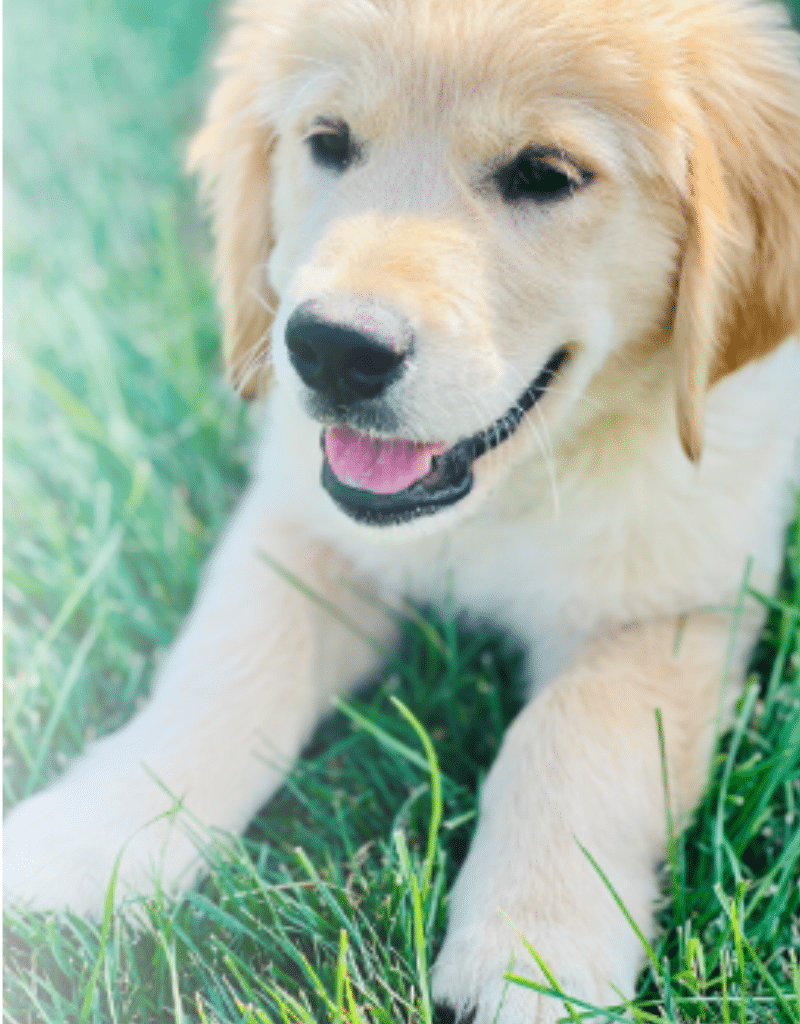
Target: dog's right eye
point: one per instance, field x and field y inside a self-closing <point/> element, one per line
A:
<point x="332" y="145"/>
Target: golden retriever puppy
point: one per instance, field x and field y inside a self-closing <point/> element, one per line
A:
<point x="521" y="279"/>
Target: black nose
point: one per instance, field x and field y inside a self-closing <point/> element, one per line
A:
<point x="343" y="361"/>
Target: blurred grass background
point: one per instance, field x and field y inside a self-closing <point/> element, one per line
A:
<point x="123" y="449"/>
<point x="124" y="453"/>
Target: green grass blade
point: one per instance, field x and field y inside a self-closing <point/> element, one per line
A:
<point x="419" y="947"/>
<point x="108" y="912"/>
<point x="436" y="793"/>
<point x="327" y="606"/>
<point x="672" y="846"/>
<point x="542" y="967"/>
<point x="651" y="956"/>
<point x="382" y="736"/>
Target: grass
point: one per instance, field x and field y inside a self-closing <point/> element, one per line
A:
<point x="123" y="456"/>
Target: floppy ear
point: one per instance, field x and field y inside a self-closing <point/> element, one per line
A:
<point x="232" y="155"/>
<point x="739" y="286"/>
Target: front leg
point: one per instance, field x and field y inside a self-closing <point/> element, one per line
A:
<point x="237" y="697"/>
<point x="581" y="763"/>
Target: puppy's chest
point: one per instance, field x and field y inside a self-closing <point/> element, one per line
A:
<point x="604" y="556"/>
<point x="551" y="580"/>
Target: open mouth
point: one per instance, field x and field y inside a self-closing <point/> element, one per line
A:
<point x="386" y="482"/>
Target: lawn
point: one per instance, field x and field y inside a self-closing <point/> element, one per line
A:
<point x="124" y="453"/>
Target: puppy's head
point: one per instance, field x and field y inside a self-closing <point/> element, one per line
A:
<point x="441" y="225"/>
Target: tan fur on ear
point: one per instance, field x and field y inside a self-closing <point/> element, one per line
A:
<point x="700" y="290"/>
<point x="232" y="154"/>
<point x="739" y="288"/>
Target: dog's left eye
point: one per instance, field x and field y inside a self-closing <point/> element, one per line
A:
<point x="332" y="145"/>
<point x="538" y="176"/>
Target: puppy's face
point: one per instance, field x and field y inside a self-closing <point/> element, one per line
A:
<point x="462" y="239"/>
<point x="478" y="212"/>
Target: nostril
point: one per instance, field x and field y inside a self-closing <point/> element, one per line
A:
<point x="375" y="361"/>
<point x="305" y="358"/>
<point x="369" y="368"/>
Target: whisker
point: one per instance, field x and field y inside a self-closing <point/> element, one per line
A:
<point x="254" y="294"/>
<point x="253" y="359"/>
<point x="546" y="442"/>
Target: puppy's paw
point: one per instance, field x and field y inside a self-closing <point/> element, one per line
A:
<point x="469" y="974"/>
<point x="61" y="847"/>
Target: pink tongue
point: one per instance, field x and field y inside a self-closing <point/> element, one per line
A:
<point x="371" y="464"/>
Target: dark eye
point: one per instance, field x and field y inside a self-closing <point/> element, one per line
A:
<point x="332" y="146"/>
<point x="537" y="177"/>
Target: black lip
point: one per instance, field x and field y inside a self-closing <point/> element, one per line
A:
<point x="450" y="478"/>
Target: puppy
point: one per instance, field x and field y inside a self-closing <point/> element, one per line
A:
<point x="521" y="280"/>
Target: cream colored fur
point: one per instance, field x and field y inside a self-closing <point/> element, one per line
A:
<point x="660" y="460"/>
